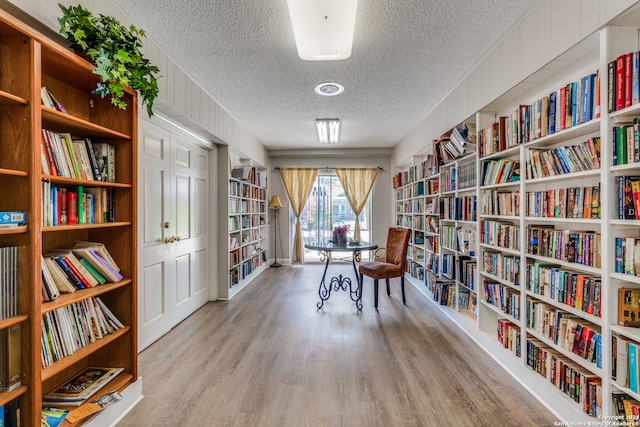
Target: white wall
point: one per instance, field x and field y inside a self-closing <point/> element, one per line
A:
<point x="382" y="192"/>
<point x="551" y="28"/>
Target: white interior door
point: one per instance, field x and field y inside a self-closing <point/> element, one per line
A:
<point x="154" y="287"/>
<point x="173" y="231"/>
<point x="190" y="204"/>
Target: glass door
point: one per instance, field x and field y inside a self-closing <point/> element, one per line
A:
<point x="326" y="205"/>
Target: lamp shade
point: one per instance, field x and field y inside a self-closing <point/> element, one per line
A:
<point x="275" y="202"/>
<point x="323" y="29"/>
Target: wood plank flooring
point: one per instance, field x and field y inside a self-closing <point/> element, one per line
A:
<point x="269" y="358"/>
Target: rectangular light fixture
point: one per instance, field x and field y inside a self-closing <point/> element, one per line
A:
<point x="323" y="29"/>
<point x="328" y="130"/>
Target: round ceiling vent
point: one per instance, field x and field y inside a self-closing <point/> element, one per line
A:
<point x="329" y="89"/>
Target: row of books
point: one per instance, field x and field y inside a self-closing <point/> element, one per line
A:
<point x="566" y="330"/>
<point x="503" y="297"/>
<point x="627" y="255"/>
<point x="625" y="366"/>
<point x="509" y="336"/>
<point x="575" y="103"/>
<point x="467" y="272"/>
<point x="84" y="266"/>
<point x="503" y="203"/>
<point x="249" y="174"/>
<point x="627" y="409"/>
<point x="74" y="326"/>
<point x="580" y="291"/>
<point x="503" y="266"/>
<point x="448" y="266"/>
<point x="8" y="282"/>
<point x="458" y="208"/>
<point x="500" y="234"/>
<point x="249" y="192"/>
<point x="628" y="197"/>
<point x="467" y="175"/>
<point x="445" y="293"/>
<point x="626" y="143"/>
<point x="79" y="158"/>
<point x="448" y="179"/>
<point x="579" y="384"/>
<point x="253" y="263"/>
<point x="428" y="167"/>
<point x="622" y="76"/>
<point x="564" y="160"/>
<point x="77" y="205"/>
<point x="575" y="246"/>
<point x="500" y="171"/>
<point x="572" y="202"/>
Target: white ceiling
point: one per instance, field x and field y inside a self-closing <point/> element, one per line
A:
<point x="406" y="56"/>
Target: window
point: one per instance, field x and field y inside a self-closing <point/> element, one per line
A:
<point x="326" y="205"/>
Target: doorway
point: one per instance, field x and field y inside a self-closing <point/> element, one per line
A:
<point x="326" y="206"/>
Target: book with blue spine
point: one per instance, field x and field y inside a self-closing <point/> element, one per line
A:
<point x="13" y="218"/>
<point x="586" y="101"/>
<point x="632" y="350"/>
<point x="552" y="111"/>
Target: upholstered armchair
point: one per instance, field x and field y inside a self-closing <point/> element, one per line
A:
<point x="394" y="264"/>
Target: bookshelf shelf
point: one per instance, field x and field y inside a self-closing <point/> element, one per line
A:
<point x="8" y="99"/>
<point x="86" y="226"/>
<point x="5" y="323"/>
<point x="513" y="184"/>
<point x="81" y="294"/>
<point x="545" y="219"/>
<point x="570" y="265"/>
<point x="626" y="277"/>
<point x="593" y="319"/>
<point x="563" y="135"/>
<point x="564" y="177"/>
<point x="11" y="172"/>
<point x="500" y="249"/>
<point x="631" y="333"/>
<point x="32" y="61"/>
<point x="499" y="280"/>
<point x="13" y="394"/>
<point x="501" y="313"/>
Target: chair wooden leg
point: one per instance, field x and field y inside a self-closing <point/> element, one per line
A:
<point x="404" y="300"/>
<point x="388" y="288"/>
<point x="375" y="293"/>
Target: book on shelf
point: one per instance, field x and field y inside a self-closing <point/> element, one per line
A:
<point x="12" y="219"/>
<point x="53" y="417"/>
<point x="629" y="307"/>
<point x="10" y="358"/>
<point x="50" y="101"/>
<point x="81" y="387"/>
<point x="627" y="255"/>
<point x="96" y="259"/>
<point x="8" y="281"/>
<point x="105" y="155"/>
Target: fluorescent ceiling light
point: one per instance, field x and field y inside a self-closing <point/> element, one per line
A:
<point x="323" y="29"/>
<point x="328" y="130"/>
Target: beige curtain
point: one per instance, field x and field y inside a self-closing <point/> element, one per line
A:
<point x="298" y="183"/>
<point x="357" y="184"/>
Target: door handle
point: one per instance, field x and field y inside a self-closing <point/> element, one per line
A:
<point x="168" y="240"/>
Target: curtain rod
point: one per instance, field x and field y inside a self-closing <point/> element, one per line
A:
<point x="277" y="168"/>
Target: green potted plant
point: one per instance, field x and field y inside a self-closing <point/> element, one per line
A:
<point x="115" y="50"/>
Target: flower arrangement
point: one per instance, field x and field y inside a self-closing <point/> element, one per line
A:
<point x="340" y="234"/>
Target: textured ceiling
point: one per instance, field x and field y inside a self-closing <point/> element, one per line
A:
<point x="406" y="56"/>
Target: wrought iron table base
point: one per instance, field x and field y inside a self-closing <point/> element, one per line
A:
<point x="340" y="283"/>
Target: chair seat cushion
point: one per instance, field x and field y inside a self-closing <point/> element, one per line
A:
<point x="381" y="270"/>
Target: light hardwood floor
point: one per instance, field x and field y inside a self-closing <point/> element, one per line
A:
<point x="269" y="358"/>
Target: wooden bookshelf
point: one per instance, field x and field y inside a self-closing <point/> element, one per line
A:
<point x="31" y="60"/>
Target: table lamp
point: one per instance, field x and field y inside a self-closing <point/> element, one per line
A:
<point x="275" y="203"/>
